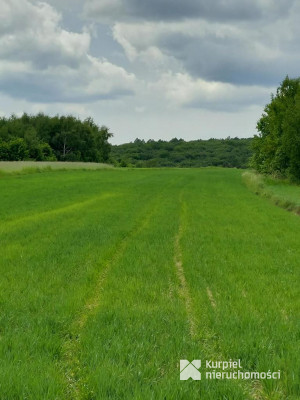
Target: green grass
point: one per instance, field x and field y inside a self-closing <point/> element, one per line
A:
<point x="110" y="277"/>
<point x="281" y="192"/>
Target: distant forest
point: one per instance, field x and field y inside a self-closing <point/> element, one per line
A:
<point x="66" y="138"/>
<point x="230" y="152"/>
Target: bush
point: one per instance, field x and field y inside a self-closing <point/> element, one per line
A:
<point x="17" y="150"/>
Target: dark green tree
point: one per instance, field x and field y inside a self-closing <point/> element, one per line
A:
<point x="276" y="149"/>
<point x="17" y="150"/>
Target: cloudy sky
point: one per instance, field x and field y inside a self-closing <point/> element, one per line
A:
<point x="148" y="68"/>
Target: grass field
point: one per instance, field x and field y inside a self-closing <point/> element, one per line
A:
<point x="110" y="277"/>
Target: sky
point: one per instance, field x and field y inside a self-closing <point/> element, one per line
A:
<point x="156" y="69"/>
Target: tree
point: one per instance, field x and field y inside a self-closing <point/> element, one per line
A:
<point x="291" y="138"/>
<point x="277" y="147"/>
<point x="102" y="144"/>
<point x="4" y="151"/>
<point x="17" y="150"/>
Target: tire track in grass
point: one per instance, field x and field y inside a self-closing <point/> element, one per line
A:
<point x="15" y="223"/>
<point x="184" y="289"/>
<point x="211" y="297"/>
<point x="252" y="390"/>
<point x="76" y="387"/>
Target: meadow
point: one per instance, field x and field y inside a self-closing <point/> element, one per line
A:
<point x="110" y="277"/>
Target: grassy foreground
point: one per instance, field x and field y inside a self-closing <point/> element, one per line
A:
<point x="110" y="277"/>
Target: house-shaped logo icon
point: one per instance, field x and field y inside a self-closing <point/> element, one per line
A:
<point x="190" y="370"/>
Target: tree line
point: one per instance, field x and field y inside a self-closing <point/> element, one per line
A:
<point x="276" y="149"/>
<point x="67" y="138"/>
<point x="44" y="138"/>
<point x="229" y="152"/>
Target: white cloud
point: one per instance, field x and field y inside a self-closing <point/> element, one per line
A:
<point x="182" y="90"/>
<point x="41" y="61"/>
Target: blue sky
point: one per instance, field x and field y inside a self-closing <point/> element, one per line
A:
<point x="148" y="69"/>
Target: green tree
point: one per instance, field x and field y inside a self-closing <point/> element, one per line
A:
<point x="277" y="147"/>
<point x="17" y="150"/>
<point x="4" y="151"/>
<point x="291" y="138"/>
